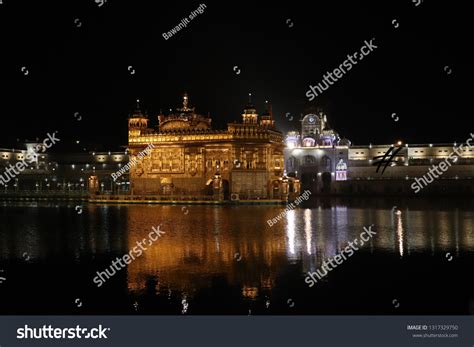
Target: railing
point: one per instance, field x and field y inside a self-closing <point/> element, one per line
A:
<point x="44" y="192"/>
<point x="154" y="197"/>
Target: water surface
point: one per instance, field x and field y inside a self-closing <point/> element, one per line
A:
<point x="228" y="260"/>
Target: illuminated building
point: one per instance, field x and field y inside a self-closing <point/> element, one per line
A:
<point x="190" y="159"/>
<point x="71" y="173"/>
<point x="317" y="156"/>
<point x="326" y="163"/>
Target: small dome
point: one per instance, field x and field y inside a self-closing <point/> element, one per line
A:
<point x="344" y="142"/>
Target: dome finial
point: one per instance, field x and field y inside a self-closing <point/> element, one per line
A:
<point x="185" y="101"/>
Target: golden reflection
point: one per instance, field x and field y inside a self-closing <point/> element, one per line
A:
<point x="445" y="229"/>
<point x="230" y="244"/>
<point x="456" y="230"/>
<point x="249" y="292"/>
<point x="240" y="249"/>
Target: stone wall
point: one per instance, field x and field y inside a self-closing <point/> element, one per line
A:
<point x="412" y="171"/>
<point x="250" y="184"/>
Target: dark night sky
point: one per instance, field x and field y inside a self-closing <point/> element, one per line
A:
<point x="84" y="69"/>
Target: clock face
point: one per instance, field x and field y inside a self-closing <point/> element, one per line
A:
<point x="311" y="119"/>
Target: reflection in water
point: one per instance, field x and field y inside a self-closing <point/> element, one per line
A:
<point x="307" y="229"/>
<point x="456" y="230"/>
<point x="186" y="258"/>
<point x="399" y="232"/>
<point x="199" y="248"/>
<point x="290" y="228"/>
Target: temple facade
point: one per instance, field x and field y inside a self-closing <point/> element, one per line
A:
<point x="190" y="159"/>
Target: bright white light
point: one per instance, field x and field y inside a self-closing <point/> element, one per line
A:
<point x="290" y="230"/>
<point x="307" y="229"/>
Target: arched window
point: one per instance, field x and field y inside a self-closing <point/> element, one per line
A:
<point x="326" y="163"/>
<point x="308" y="142"/>
<point x="291" y="163"/>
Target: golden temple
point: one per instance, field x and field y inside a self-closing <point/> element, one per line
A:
<point x="189" y="159"/>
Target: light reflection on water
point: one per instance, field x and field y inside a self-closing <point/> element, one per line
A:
<point x="203" y="243"/>
<point x="196" y="246"/>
